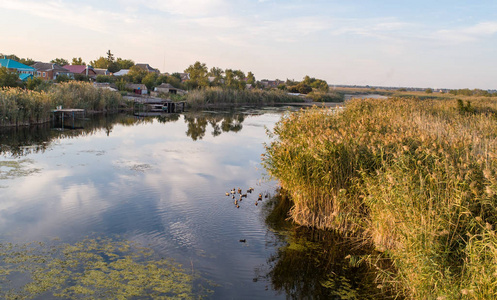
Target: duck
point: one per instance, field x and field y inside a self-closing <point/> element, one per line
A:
<point x="266" y="195"/>
<point x="256" y="203"/>
<point x="239" y="190"/>
<point x="236" y="202"/>
<point x="243" y="195"/>
<point x="243" y="241"/>
<point x="227" y="194"/>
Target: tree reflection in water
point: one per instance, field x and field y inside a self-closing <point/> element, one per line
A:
<point x="21" y="141"/>
<point x="197" y="124"/>
<point x="315" y="264"/>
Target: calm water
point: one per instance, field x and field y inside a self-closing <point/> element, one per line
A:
<point x="160" y="182"/>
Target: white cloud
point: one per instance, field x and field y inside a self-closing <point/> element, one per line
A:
<point x="76" y="15"/>
<point x="467" y="34"/>
<point x="189" y="8"/>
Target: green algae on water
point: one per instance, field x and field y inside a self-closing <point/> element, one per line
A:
<point x="91" y="269"/>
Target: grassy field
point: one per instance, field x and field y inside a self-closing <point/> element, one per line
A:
<point x="24" y="107"/>
<point x="414" y="178"/>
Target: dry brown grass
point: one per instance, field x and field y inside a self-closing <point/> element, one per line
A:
<point x="415" y="178"/>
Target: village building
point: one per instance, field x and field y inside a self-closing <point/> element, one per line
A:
<point x="25" y="72"/>
<point x="50" y="71"/>
<point x="166" y="88"/>
<point x="121" y="72"/>
<point x="139" y="89"/>
<point x="102" y="71"/>
<point x="81" y="69"/>
<point x="147" y="68"/>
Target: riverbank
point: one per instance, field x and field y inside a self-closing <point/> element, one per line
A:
<point x="20" y="107"/>
<point x="414" y="178"/>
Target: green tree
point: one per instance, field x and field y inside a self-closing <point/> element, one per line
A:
<point x="250" y="78"/>
<point x="149" y="80"/>
<point x="124" y="63"/>
<point x="198" y="75"/>
<point x="62" y="78"/>
<point x="27" y="61"/>
<point x="110" y="56"/>
<point x="60" y="61"/>
<point x="121" y="84"/>
<point x="137" y="74"/>
<point x="78" y="61"/>
<point x="217" y="73"/>
<point x="100" y="63"/>
<point x="8" y="78"/>
<point x="429" y="91"/>
<point x="33" y="83"/>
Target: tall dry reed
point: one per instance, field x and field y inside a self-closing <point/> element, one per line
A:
<point x="417" y="179"/>
<point x="217" y="96"/>
<point x="24" y="107"/>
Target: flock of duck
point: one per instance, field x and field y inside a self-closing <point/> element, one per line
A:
<point x="238" y="199"/>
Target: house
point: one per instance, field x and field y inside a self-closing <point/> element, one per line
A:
<point x="81" y="69"/>
<point x="271" y="83"/>
<point x="102" y="71"/>
<point x="166" y="88"/>
<point x="50" y="71"/>
<point x="121" y="72"/>
<point x="105" y="85"/>
<point x="184" y="76"/>
<point x="139" y="89"/>
<point x="147" y="68"/>
<point x="22" y="70"/>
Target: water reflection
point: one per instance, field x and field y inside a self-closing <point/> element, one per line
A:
<point x="315" y="264"/>
<point x="161" y="181"/>
<point x="197" y="124"/>
<point x="25" y="140"/>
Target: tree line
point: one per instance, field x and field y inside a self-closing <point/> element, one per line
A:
<point x="196" y="76"/>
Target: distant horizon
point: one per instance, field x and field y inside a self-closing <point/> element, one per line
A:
<point x="272" y="79"/>
<point x="441" y="44"/>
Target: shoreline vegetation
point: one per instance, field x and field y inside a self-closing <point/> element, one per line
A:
<point x="415" y="179"/>
<point x="223" y="97"/>
<point x="19" y="107"/>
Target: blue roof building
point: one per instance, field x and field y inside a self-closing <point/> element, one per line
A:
<point x="23" y="70"/>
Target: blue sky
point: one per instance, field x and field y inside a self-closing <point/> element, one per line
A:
<point x="390" y="43"/>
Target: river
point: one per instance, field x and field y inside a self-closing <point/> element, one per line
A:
<point x="161" y="182"/>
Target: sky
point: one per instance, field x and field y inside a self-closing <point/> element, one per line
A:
<point x="398" y="43"/>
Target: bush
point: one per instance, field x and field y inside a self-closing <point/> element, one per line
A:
<point x="326" y="97"/>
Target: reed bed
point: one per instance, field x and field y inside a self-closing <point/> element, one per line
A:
<point x="23" y="107"/>
<point x="217" y="96"/>
<point x="417" y="179"/>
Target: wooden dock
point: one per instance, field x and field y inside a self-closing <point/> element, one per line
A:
<point x="144" y="106"/>
<point x="71" y="113"/>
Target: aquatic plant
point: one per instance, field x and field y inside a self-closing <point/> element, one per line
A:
<point x="415" y="178"/>
<point x="24" y="107"/>
<point x="90" y="269"/>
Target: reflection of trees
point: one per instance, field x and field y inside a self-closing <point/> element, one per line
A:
<point x="24" y="140"/>
<point x="166" y="118"/>
<point x="196" y="127"/>
<point x="197" y="124"/>
<point x="32" y="139"/>
<point x="316" y="264"/>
